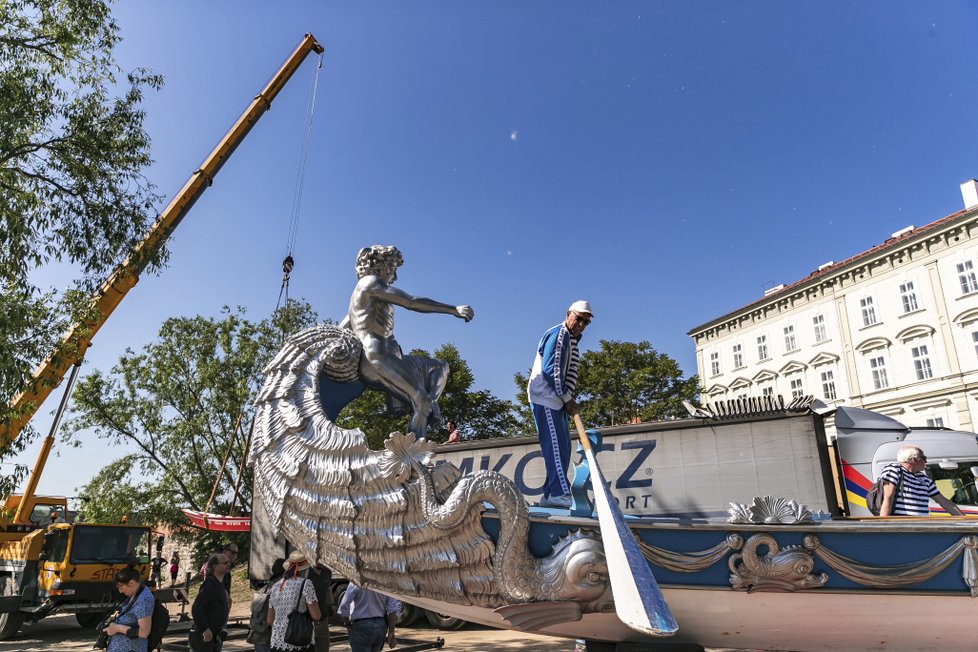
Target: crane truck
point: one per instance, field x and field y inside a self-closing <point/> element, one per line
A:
<point x="47" y="564"/>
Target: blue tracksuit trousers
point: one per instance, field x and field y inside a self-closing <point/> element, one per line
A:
<point x="554" y="435"/>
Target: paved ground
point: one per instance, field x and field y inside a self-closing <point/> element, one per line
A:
<point x="64" y="633"/>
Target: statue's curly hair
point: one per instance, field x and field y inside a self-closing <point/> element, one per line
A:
<point x="371" y="259"/>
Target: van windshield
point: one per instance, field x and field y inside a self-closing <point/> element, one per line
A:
<point x="957" y="485"/>
<point x="99" y="544"/>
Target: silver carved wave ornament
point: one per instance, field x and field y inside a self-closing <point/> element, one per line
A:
<point x="388" y="520"/>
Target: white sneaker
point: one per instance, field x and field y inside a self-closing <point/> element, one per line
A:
<point x="560" y="502"/>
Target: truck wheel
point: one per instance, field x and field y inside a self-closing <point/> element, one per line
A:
<point x="442" y="621"/>
<point x="9" y="624"/>
<point x="409" y="614"/>
<point x="338" y="591"/>
<point x="89" y="619"/>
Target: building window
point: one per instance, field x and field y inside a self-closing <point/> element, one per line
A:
<point x="767" y="391"/>
<point x="796" y="388"/>
<point x="966" y="276"/>
<point x="908" y="295"/>
<point x="715" y="364"/>
<point x="921" y="362"/>
<point x="878" y="365"/>
<point x="818" y="323"/>
<point x="828" y="385"/>
<point x="789" y="338"/>
<point x="936" y="422"/>
<point x="738" y="356"/>
<point x="869" y="311"/>
<point x="974" y="339"/>
<point x="762" y="347"/>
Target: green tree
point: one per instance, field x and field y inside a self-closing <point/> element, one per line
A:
<point x="479" y="414"/>
<point x="524" y="413"/>
<point x="72" y="154"/>
<point x="623" y="381"/>
<point x="175" y="406"/>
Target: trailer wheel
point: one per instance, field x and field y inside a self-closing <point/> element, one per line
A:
<point x="442" y="621"/>
<point x="9" y="624"/>
<point x="89" y="619"/>
<point x="338" y="591"/>
<point x="409" y="614"/>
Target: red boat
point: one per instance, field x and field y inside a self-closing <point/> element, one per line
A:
<point x="218" y="522"/>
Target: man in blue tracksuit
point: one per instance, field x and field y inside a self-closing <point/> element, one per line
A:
<point x="550" y="390"/>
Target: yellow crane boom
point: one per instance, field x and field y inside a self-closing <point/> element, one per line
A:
<point x="49" y="374"/>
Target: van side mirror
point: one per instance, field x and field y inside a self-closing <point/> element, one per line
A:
<point x="974" y="471"/>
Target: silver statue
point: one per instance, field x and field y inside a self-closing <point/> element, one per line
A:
<point x="417" y="380"/>
<point x="389" y="521"/>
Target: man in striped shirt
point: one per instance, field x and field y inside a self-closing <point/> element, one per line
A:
<point x="551" y="394"/>
<point x="915" y="488"/>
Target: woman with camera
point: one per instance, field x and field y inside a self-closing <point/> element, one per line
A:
<point x="210" y="609"/>
<point x="129" y="629"/>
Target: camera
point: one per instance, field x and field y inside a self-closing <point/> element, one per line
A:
<point x="102" y="639"/>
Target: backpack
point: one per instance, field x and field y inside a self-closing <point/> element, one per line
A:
<point x="259" y="613"/>
<point x="160" y="623"/>
<point x="874" y="496"/>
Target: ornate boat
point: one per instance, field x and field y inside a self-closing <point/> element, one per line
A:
<point x="771" y="575"/>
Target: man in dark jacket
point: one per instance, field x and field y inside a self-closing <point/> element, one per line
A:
<point x="321" y="578"/>
<point x="210" y="610"/>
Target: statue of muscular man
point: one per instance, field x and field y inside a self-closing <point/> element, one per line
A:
<point x="417" y="380"/>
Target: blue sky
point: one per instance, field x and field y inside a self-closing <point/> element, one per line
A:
<point x="667" y="161"/>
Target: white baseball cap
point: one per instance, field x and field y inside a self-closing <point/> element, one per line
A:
<point x="582" y="307"/>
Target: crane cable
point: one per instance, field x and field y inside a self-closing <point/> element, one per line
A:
<point x="287" y="266"/>
<point x="289" y="263"/>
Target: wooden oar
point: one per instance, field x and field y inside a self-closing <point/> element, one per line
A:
<point x="638" y="600"/>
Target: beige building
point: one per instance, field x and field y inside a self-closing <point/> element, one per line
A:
<point x="893" y="329"/>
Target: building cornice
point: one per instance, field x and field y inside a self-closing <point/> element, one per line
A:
<point x="892" y="253"/>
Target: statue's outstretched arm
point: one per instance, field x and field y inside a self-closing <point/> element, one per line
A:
<point x="421" y="304"/>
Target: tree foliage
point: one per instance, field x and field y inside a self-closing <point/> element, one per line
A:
<point x="176" y="405"/>
<point x="624" y="381"/>
<point x="479" y="414"/>
<point x="72" y="154"/>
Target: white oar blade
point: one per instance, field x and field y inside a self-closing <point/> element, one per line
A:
<point x="638" y="600"/>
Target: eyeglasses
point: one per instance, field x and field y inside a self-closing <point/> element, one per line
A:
<point x="583" y="320"/>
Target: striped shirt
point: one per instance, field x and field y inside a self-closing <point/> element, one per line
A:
<point x="913" y="498"/>
<point x="570" y="380"/>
